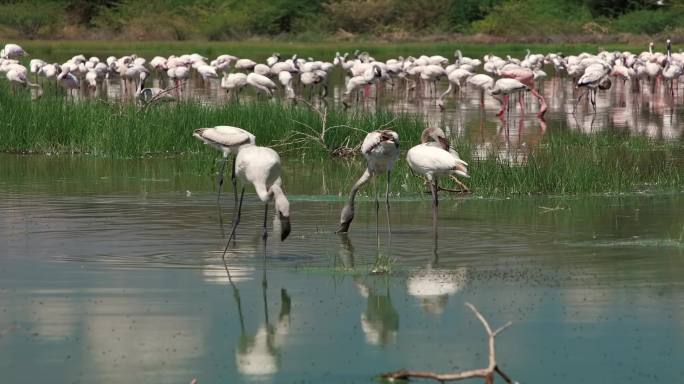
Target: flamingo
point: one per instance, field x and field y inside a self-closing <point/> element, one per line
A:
<point x="261" y="167"/>
<point x="207" y="72"/>
<point x="435" y="158"/>
<point x="381" y="150"/>
<point x="527" y="77"/>
<point x="481" y="82"/>
<point x="357" y="81"/>
<point x="673" y="68"/>
<point x="49" y="71"/>
<point x="595" y="77"/>
<point x="285" y="79"/>
<point x="147" y="95"/>
<point x="12" y="51"/>
<point x="68" y="81"/>
<point x="227" y="140"/>
<point x="312" y="79"/>
<point x="457" y="78"/>
<point x="35" y="65"/>
<point x="245" y="64"/>
<point x="233" y="81"/>
<point x="18" y="78"/>
<point x="261" y="83"/>
<point x="274" y="58"/>
<point x="506" y="87"/>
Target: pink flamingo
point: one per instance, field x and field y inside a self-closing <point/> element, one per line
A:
<point x="525" y="76"/>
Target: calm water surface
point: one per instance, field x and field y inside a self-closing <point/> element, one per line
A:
<point x="111" y="273"/>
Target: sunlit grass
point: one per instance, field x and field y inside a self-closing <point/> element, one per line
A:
<point x="564" y="163"/>
<point x="324" y="50"/>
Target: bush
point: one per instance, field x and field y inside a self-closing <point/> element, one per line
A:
<point x="534" y="18"/>
<point x="33" y="18"/>
<point x="650" y="22"/>
<point x="361" y="16"/>
<point x="150" y="19"/>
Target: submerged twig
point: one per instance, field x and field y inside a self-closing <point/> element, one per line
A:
<point x="551" y="209"/>
<point x="485" y="373"/>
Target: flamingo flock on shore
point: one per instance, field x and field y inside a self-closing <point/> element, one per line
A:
<point x="410" y="78"/>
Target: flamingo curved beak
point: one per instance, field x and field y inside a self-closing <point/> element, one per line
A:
<point x="445" y="143"/>
<point x="285" y="227"/>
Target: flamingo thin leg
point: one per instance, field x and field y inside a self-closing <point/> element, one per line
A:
<point x="265" y="231"/>
<point x="236" y="221"/>
<point x="219" y="179"/>
<point x="387" y="204"/>
<point x="435" y="201"/>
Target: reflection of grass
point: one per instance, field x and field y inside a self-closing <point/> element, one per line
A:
<point x="383" y="265"/>
<point x="564" y="163"/>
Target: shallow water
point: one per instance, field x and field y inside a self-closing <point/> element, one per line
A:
<point x="111" y="272"/>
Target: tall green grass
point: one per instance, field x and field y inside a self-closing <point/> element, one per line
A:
<point x="563" y="163"/>
<point x="57" y="125"/>
<point x="324" y="50"/>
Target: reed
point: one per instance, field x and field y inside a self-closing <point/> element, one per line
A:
<point x="324" y="50"/>
<point x="564" y="163"/>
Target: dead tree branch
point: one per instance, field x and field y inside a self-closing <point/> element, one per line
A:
<point x="158" y="96"/>
<point x="313" y="135"/>
<point x="485" y="373"/>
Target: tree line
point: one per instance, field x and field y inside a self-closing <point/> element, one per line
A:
<point x="236" y="19"/>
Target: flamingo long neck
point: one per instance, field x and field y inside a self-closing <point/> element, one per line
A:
<point x="359" y="183"/>
<point x="424" y="136"/>
<point x="141" y="86"/>
<point x="262" y="191"/>
<point x="282" y="205"/>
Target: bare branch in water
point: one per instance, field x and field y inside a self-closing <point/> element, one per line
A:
<point x="485" y="373"/>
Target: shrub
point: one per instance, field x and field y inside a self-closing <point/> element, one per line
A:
<point x="32" y="18"/>
<point x="650" y="22"/>
<point x="534" y="17"/>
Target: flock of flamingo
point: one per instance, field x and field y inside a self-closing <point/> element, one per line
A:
<point x="407" y="77"/>
<point x="261" y="167"/>
<point x="432" y="159"/>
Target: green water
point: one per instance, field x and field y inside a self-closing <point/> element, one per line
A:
<point x="111" y="272"/>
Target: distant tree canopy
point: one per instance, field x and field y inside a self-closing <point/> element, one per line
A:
<point x="230" y="19"/>
<point x="615" y="8"/>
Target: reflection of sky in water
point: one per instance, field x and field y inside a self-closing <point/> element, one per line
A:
<point x="114" y="287"/>
<point x="433" y="287"/>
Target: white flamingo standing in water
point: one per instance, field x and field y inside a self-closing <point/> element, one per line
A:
<point x="481" y="82"/>
<point x="261" y="167"/>
<point x="381" y="150"/>
<point x="434" y="159"/>
<point x="227" y="140"/>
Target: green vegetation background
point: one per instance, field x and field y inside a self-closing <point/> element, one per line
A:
<point x="309" y="20"/>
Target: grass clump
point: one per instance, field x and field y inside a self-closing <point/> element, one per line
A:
<point x="53" y="125"/>
<point x="564" y="163"/>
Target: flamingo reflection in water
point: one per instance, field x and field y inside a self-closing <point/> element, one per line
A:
<point x="258" y="353"/>
<point x="380" y="319"/>
<point x="433" y="285"/>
